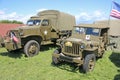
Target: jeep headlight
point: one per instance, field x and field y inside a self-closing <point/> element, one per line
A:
<point x="68" y="44"/>
<point x="82" y="46"/>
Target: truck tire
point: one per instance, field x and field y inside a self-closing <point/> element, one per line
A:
<point x="31" y="48"/>
<point x="89" y="63"/>
<point x="55" y="60"/>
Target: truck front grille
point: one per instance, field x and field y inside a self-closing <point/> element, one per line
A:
<point x="72" y="50"/>
<point x="15" y="33"/>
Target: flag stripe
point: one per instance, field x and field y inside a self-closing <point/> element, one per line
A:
<point x="115" y="11"/>
<point x="14" y="38"/>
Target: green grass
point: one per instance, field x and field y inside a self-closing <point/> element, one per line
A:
<point x="14" y="66"/>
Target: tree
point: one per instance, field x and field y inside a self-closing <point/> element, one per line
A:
<point x="9" y="21"/>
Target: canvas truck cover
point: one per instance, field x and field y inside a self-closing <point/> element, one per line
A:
<point x="93" y="25"/>
<point x="59" y="20"/>
<point x="114" y="26"/>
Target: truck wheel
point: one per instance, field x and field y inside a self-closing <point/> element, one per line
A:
<point x="55" y="60"/>
<point x="89" y="63"/>
<point x="31" y="48"/>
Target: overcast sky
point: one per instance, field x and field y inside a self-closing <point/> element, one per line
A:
<point x="85" y="11"/>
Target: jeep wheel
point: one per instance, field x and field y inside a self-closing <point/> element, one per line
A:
<point x="89" y="63"/>
<point x="55" y="60"/>
<point x="100" y="55"/>
<point x="31" y="48"/>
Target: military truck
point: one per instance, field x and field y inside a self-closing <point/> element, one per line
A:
<point x="47" y="26"/>
<point x="88" y="42"/>
<point x="114" y="33"/>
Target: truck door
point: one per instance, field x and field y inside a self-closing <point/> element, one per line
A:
<point x="46" y="29"/>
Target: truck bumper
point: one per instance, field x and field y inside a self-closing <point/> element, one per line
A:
<point x="10" y="46"/>
<point x="63" y="57"/>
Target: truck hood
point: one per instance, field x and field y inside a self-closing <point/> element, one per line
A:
<point x="26" y="27"/>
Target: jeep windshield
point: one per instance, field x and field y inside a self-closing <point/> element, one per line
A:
<point x="86" y="31"/>
<point x="33" y="22"/>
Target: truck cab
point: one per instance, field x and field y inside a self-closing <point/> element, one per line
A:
<point x="87" y="42"/>
<point x="45" y="27"/>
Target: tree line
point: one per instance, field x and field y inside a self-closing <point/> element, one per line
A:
<point x="11" y="21"/>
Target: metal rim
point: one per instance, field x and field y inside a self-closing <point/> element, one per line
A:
<point x="32" y="49"/>
<point x="91" y="65"/>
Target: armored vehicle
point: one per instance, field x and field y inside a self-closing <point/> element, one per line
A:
<point x="46" y="27"/>
<point x="88" y="41"/>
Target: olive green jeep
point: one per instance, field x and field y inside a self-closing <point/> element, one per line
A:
<point x="88" y="41"/>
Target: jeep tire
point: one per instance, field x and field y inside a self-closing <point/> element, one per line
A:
<point x="89" y="63"/>
<point x="31" y="48"/>
<point x="55" y="60"/>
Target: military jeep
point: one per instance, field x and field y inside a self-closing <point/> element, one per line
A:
<point x="88" y="41"/>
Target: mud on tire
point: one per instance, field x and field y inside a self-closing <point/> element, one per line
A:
<point x="89" y="63"/>
<point x="55" y="60"/>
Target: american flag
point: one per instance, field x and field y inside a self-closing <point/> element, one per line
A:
<point x="115" y="12"/>
<point x="14" y="38"/>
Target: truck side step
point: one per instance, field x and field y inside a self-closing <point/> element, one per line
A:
<point x="46" y="42"/>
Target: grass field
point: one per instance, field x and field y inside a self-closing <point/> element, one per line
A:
<point x="14" y="66"/>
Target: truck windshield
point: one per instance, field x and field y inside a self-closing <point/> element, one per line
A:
<point x="33" y="22"/>
<point x="86" y="31"/>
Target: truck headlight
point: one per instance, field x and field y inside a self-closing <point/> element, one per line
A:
<point x="21" y="32"/>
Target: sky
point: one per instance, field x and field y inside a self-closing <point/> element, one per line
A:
<point x="85" y="11"/>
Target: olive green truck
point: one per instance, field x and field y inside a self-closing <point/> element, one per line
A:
<point x="114" y="33"/>
<point x="47" y="26"/>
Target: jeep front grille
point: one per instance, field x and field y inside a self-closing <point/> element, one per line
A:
<point x="73" y="50"/>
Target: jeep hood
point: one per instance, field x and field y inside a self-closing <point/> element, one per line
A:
<point x="78" y="40"/>
<point x="74" y="40"/>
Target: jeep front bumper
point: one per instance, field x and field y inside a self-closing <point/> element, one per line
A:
<point x="63" y="57"/>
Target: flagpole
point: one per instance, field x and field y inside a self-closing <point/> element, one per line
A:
<point x="109" y="14"/>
